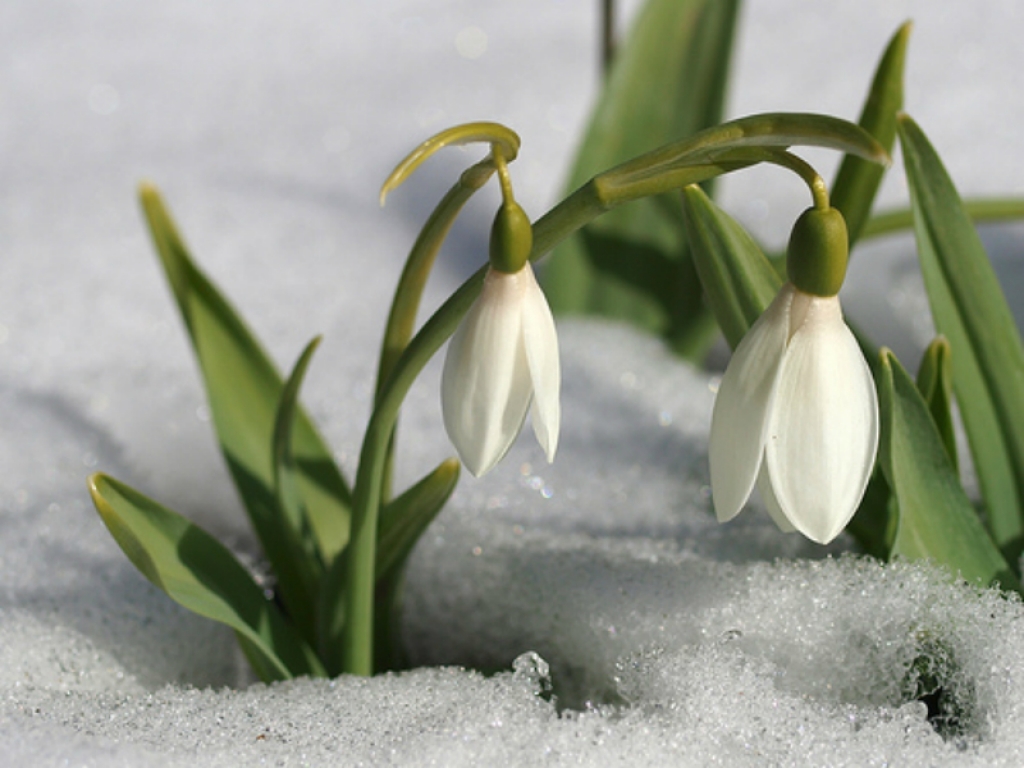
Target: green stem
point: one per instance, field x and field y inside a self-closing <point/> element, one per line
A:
<point x="360" y="564"/>
<point x="409" y="291"/>
<point x="981" y="210"/>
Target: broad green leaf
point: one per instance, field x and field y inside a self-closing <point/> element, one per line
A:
<point x="858" y="180"/>
<point x="244" y="389"/>
<point x="738" y="280"/>
<point x="196" y="571"/>
<point x="935" y="518"/>
<point x="970" y="310"/>
<point x="935" y="382"/>
<point x="298" y="566"/>
<point x="667" y="82"/>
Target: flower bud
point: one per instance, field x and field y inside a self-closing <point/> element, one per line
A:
<point x="818" y="250"/>
<point x="511" y="238"/>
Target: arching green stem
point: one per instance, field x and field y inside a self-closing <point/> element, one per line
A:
<point x="357" y="578"/>
<point x="405" y="304"/>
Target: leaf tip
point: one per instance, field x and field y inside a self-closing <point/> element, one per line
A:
<point x="148" y="191"/>
<point x="450" y="468"/>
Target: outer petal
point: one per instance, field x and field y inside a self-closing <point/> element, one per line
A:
<point x="739" y="421"/>
<point x="771" y="504"/>
<point x="541" y="343"/>
<point x="824" y="429"/>
<point x="486" y="386"/>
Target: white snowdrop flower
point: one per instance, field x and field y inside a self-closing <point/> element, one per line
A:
<point x="797" y="414"/>
<point x="503" y="356"/>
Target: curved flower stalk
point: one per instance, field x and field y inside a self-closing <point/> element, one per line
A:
<point x="504" y="354"/>
<point x="796" y="411"/>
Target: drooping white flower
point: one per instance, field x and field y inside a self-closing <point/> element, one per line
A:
<point x="796" y="414"/>
<point x="503" y="355"/>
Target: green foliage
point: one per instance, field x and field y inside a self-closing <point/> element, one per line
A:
<point x="738" y="279"/>
<point x="244" y="389"/>
<point x="857" y="182"/>
<point x="987" y="356"/>
<point x="667" y="82"/>
<point x="294" y="493"/>
<point x="197" y="572"/>
<point x="935" y="519"/>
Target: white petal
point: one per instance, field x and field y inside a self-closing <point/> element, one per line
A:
<point x="740" y="417"/>
<point x="771" y="504"/>
<point x="486" y="387"/>
<point x="824" y="429"/>
<point x="541" y="343"/>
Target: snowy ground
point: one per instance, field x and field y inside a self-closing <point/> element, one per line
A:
<point x="625" y="626"/>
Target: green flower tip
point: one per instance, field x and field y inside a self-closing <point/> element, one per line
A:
<point x="511" y="238"/>
<point x="818" y="250"/>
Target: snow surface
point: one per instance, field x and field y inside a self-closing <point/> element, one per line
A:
<point x="586" y="613"/>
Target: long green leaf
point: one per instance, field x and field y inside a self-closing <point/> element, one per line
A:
<point x="244" y="389"/>
<point x="196" y="571"/>
<point x="738" y="280"/>
<point x="298" y="567"/>
<point x="667" y="81"/>
<point x="970" y="310"/>
<point x="936" y="520"/>
<point x="857" y="182"/>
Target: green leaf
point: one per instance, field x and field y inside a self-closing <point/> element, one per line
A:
<point x="197" y="572"/>
<point x="874" y="525"/>
<point x="667" y="81"/>
<point x="244" y="389"/>
<point x="935" y="382"/>
<point x="298" y="566"/>
<point x="404" y="519"/>
<point x="970" y="310"/>
<point x="936" y="520"/>
<point x="739" y="282"/>
<point x="857" y="182"/>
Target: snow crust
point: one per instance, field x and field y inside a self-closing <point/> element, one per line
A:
<point x="591" y="612"/>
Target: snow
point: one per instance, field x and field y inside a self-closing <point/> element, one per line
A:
<point x="590" y="612"/>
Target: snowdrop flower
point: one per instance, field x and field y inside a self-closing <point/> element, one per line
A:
<point x="796" y="412"/>
<point x="503" y="356"/>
